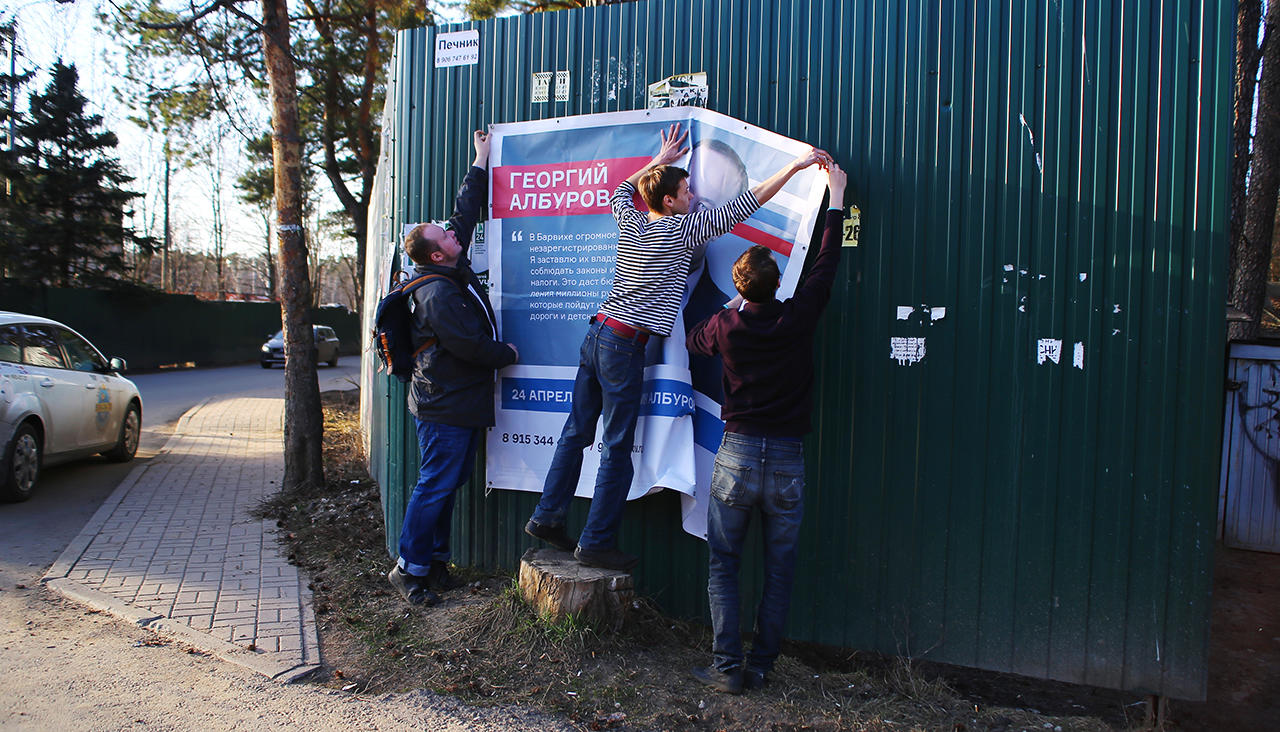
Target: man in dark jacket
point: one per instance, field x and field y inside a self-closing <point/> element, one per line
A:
<point x="455" y="338"/>
<point x="767" y="348"/>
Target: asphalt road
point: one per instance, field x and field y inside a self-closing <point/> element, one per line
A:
<point x="34" y="533"/>
<point x="65" y="667"/>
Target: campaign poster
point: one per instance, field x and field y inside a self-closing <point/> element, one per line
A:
<point x="552" y="242"/>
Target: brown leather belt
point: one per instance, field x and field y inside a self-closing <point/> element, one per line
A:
<point x="622" y="329"/>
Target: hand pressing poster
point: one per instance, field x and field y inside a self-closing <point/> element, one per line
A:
<point x="552" y="241"/>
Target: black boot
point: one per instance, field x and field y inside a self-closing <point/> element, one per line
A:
<point x="412" y="587"/>
<point x="729" y="683"/>
<point x="439" y="578"/>
<point x="556" y="536"/>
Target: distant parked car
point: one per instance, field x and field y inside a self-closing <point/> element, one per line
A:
<point x="59" y="400"/>
<point x="326" y="346"/>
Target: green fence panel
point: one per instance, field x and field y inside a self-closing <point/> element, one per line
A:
<point x="154" y="329"/>
<point x="1043" y="170"/>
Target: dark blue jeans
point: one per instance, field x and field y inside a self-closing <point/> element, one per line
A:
<point x="753" y="473"/>
<point x="610" y="376"/>
<point x="448" y="454"/>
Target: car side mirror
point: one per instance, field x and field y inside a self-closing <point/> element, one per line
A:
<point x="118" y="365"/>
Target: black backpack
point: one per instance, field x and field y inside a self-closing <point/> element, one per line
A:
<point x="393" y="329"/>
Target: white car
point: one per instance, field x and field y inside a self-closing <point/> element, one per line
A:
<point x="59" y="400"/>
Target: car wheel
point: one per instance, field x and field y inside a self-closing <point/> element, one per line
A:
<point x="333" y="361"/>
<point x="130" y="429"/>
<point x="266" y="365"/>
<point x="23" y="465"/>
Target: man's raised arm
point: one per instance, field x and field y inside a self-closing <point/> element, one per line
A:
<point x="767" y="188"/>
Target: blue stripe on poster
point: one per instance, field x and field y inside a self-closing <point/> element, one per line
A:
<point x="779" y="223"/>
<point x="666" y="398"/>
<point x="537" y="395"/>
<point x="708" y="430"/>
<point x="661" y="397"/>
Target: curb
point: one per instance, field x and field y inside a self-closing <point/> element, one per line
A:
<point x="224" y="650"/>
<point x="69" y="556"/>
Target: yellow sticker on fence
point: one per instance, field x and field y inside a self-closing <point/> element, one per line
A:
<point x="852" y="227"/>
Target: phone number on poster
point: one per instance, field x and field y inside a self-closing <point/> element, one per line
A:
<point x="520" y="438"/>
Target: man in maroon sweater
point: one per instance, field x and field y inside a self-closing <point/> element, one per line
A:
<point x="767" y="350"/>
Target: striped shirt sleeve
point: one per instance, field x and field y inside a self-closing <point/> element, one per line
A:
<point x="707" y="224"/>
<point x="630" y="219"/>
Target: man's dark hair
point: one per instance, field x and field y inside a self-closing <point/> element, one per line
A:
<point x="756" y="275"/>
<point x="663" y="180"/>
<point x="418" y="247"/>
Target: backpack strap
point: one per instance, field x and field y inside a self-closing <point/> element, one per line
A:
<point x="425" y="345"/>
<point x="417" y="282"/>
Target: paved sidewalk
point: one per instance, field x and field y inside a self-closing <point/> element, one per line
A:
<point x="174" y="549"/>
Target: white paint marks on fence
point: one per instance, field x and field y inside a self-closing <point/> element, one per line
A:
<point x="1084" y="276"/>
<point x="906" y="351"/>
<point x="1048" y="349"/>
<point x="937" y="313"/>
<point x="1077" y="359"/>
<point x="905" y="311"/>
<point x="1032" y="139"/>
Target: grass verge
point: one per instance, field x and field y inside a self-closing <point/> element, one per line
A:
<point x="484" y="645"/>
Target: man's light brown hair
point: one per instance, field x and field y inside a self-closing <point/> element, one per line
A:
<point x="663" y="180"/>
<point x="756" y="274"/>
<point x="418" y="247"/>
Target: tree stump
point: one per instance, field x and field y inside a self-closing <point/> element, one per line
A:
<point x="556" y="586"/>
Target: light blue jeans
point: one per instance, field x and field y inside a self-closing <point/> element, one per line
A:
<point x="753" y="473"/>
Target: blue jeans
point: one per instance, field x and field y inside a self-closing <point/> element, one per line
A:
<point x="750" y="473"/>
<point x="448" y="454"/>
<point x="610" y="376"/>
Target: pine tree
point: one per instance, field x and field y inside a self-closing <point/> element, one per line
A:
<point x="67" y="202"/>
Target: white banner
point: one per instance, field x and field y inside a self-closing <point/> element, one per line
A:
<point x="552" y="242"/>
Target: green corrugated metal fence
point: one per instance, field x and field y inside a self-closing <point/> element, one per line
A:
<point x="152" y="329"/>
<point x="1043" y="170"/>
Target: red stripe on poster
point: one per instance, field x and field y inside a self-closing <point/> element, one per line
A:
<point x="559" y="189"/>
<point x="764" y="239"/>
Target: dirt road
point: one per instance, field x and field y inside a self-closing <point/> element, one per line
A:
<point x="64" y="667"/>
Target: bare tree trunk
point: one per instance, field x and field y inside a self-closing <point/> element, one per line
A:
<point x="303" y="426"/>
<point x="1248" y="281"/>
<point x="1248" y="17"/>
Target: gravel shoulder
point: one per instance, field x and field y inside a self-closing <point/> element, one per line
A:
<point x="65" y="667"/>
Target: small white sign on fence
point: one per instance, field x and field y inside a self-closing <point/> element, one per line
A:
<point x="461" y="48"/>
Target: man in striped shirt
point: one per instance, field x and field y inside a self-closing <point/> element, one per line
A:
<point x="654" y="250"/>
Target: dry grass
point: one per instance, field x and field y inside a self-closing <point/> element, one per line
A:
<point x="484" y="645"/>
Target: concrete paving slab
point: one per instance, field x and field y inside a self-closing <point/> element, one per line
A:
<point x="174" y="548"/>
